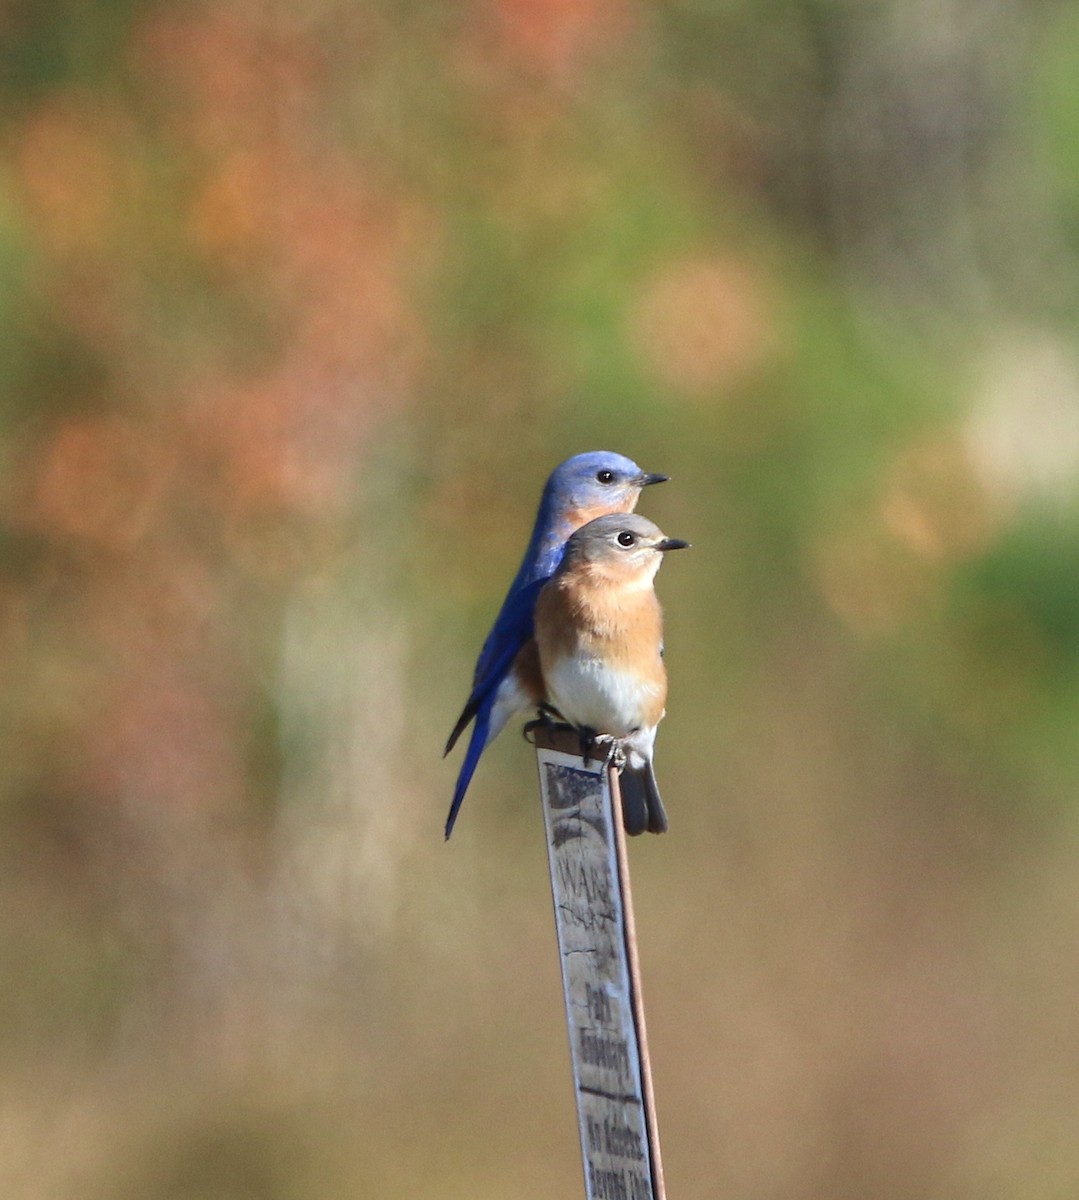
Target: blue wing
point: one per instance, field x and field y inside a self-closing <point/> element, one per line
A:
<point x="476" y="746"/>
<point x="510" y="632"/>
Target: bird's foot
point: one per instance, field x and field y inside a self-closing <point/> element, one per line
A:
<point x="590" y="740"/>
<point x="546" y="718"/>
<point x="617" y="753"/>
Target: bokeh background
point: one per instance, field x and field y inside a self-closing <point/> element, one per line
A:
<point x="299" y="304"/>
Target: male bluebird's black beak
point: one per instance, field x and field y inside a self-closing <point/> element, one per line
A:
<point x="644" y="480"/>
<point x="671" y="544"/>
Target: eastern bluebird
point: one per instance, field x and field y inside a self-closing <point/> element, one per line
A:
<point x="507" y="680"/>
<point x="599" y="633"/>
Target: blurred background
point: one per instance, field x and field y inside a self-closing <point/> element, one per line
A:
<point x="299" y="304"/>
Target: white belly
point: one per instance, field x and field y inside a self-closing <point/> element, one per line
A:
<point x="510" y="699"/>
<point x="587" y="693"/>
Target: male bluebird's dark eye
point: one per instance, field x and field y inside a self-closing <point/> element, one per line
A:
<point x="605" y="476"/>
<point x="625" y="538"/>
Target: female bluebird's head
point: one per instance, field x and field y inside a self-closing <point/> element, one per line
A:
<point x="619" y="546"/>
<point x="589" y="485"/>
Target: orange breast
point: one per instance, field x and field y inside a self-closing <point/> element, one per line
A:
<point x="526" y="667"/>
<point x="582" y="615"/>
<point x="576" y="517"/>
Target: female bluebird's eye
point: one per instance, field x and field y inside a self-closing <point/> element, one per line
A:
<point x="625" y="538"/>
<point x="605" y="476"/>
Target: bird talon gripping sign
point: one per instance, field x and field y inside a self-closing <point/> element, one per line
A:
<point x="597" y="948"/>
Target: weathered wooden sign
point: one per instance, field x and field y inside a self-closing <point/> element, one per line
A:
<point x="597" y="945"/>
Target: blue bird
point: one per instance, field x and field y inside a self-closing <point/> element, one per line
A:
<point x="507" y="679"/>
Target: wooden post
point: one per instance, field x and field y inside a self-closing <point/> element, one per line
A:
<point x="586" y="847"/>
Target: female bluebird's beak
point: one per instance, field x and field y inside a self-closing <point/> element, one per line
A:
<point x="643" y="481"/>
<point x="671" y="544"/>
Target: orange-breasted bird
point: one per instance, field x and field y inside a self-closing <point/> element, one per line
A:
<point x="599" y="634"/>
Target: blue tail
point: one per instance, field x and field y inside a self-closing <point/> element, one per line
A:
<point x="476" y="746"/>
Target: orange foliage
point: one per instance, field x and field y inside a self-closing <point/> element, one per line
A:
<point x="558" y="36"/>
<point x="101" y="479"/>
<point x="934" y="502"/>
<point x="881" y="567"/>
<point x="72" y="163"/>
<point x="701" y="324"/>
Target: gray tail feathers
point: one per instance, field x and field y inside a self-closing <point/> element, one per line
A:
<point x="642" y="809"/>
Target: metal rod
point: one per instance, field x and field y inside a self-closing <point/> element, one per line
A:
<point x="651" y="1123"/>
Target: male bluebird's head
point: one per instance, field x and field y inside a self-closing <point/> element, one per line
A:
<point x="600" y="481"/>
<point x="620" y="546"/>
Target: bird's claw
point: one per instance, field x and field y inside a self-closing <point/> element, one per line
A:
<point x="590" y="740"/>
<point x="545" y="718"/>
<point x="617" y="752"/>
<point x="551" y="719"/>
